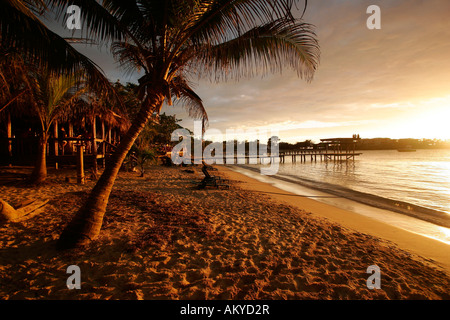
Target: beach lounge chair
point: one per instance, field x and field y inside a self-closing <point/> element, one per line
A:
<point x="212" y="181"/>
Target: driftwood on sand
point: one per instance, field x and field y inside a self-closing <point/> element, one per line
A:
<point x="24" y="211"/>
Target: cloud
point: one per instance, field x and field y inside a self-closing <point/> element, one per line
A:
<point x="366" y="78"/>
<point x="364" y="75"/>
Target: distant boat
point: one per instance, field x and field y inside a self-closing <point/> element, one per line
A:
<point x="406" y="149"/>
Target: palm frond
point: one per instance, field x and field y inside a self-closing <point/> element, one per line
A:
<point x="14" y="83"/>
<point x="230" y="18"/>
<point x="54" y="94"/>
<point x="23" y="32"/>
<point x="102" y="25"/>
<point x="264" y="49"/>
<point x="186" y="96"/>
<point x="130" y="56"/>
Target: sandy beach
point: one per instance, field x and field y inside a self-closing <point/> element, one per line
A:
<point x="164" y="239"/>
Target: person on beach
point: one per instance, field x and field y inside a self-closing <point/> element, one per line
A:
<point x="63" y="143"/>
<point x="88" y="137"/>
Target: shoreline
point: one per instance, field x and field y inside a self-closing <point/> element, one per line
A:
<point x="396" y="218"/>
<point x="415" y="243"/>
<point x="425" y="214"/>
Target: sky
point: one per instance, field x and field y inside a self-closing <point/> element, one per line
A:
<point x="392" y="82"/>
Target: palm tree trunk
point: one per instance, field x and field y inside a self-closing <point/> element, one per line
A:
<point x="39" y="173"/>
<point x="86" y="224"/>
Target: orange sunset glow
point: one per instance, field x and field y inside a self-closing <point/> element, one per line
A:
<point x="392" y="82"/>
<point x="225" y="159"/>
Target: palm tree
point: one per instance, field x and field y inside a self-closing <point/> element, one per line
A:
<point x="164" y="127"/>
<point x="14" y="91"/>
<point x="52" y="95"/>
<point x="142" y="150"/>
<point x="21" y="31"/>
<point x="14" y="83"/>
<point x="173" y="41"/>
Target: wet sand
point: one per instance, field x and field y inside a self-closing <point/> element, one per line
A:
<point x="164" y="239"/>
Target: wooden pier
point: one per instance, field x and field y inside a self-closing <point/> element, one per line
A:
<point x="301" y="155"/>
<point x="334" y="149"/>
<point x="314" y="155"/>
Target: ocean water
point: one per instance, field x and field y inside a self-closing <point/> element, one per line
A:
<point x="421" y="178"/>
<point x="414" y="183"/>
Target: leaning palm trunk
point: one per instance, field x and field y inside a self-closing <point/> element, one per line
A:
<point x="86" y="224"/>
<point x="173" y="40"/>
<point x="39" y="173"/>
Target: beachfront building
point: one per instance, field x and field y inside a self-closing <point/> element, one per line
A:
<point x="98" y="131"/>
